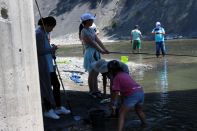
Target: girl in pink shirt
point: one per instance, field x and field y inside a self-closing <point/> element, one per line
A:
<point x="131" y="92"/>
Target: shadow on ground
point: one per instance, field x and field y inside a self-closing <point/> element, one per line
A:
<point x="165" y="111"/>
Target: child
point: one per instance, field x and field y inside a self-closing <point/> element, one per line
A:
<point x="136" y="36"/>
<point x="51" y="98"/>
<point x="100" y="66"/>
<point x="131" y="93"/>
<point x="93" y="50"/>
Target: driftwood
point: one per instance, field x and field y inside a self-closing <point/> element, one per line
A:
<point x="72" y="71"/>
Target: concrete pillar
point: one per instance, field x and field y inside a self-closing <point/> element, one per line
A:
<point x="20" y="102"/>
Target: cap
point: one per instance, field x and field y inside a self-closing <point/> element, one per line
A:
<point x="100" y="66"/>
<point x="93" y="26"/>
<point x="87" y="16"/>
<point x="136" y="26"/>
<point x="158" y="23"/>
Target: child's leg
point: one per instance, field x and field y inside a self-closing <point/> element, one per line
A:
<point x="134" y="46"/>
<point x="56" y="89"/>
<point x="90" y="81"/>
<point x="138" y="45"/>
<point x="141" y="115"/>
<point x="93" y="84"/>
<point x="95" y="81"/>
<point x="123" y="111"/>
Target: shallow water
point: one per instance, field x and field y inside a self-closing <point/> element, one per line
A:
<point x="170" y="73"/>
<point x="166" y="77"/>
<point x="170" y="87"/>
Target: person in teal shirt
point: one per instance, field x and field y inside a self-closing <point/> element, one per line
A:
<point x="159" y="33"/>
<point x="136" y="36"/>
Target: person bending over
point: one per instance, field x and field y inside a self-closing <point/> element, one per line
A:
<point x="131" y="93"/>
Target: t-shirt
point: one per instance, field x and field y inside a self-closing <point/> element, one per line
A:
<point x="88" y="32"/>
<point x="92" y="27"/>
<point x="125" y="84"/>
<point x="136" y="34"/>
<point x="158" y="37"/>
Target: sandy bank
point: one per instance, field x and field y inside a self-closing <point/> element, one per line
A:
<point x="69" y="65"/>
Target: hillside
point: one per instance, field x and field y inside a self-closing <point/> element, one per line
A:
<point x="115" y="18"/>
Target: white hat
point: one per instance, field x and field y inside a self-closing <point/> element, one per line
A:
<point x="158" y="23"/>
<point x="93" y="26"/>
<point x="87" y="16"/>
<point x="100" y="66"/>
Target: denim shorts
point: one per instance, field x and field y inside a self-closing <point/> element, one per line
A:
<point x="133" y="100"/>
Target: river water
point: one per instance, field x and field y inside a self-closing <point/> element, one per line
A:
<point x="170" y="87"/>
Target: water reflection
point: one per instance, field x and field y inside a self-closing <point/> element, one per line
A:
<point x="162" y="81"/>
<point x="163" y="76"/>
<point x="139" y="76"/>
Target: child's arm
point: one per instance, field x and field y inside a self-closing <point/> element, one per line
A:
<point x="114" y="101"/>
<point x="101" y="45"/>
<point x="114" y="98"/>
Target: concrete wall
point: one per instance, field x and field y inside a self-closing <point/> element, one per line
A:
<point x="20" y="102"/>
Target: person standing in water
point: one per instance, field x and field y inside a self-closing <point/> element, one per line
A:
<point x="136" y="36"/>
<point x="159" y="33"/>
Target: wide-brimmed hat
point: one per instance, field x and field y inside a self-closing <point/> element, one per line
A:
<point x="87" y="16"/>
<point x="100" y="66"/>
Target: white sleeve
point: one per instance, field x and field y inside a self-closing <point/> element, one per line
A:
<point x="140" y="32"/>
<point x="153" y="31"/>
<point x="163" y="30"/>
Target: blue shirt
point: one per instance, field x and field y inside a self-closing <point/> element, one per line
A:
<point x="158" y="34"/>
<point x="44" y="39"/>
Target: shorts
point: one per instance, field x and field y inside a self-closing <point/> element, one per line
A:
<point x="136" y="44"/>
<point x="135" y="99"/>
